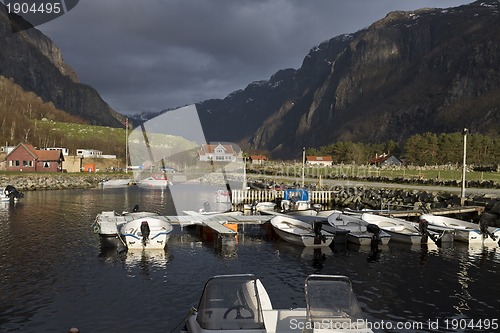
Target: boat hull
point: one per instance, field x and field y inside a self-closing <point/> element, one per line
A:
<point x="400" y="230"/>
<point x="300" y="233"/>
<point x="157" y="236"/>
<point x="464" y="231"/>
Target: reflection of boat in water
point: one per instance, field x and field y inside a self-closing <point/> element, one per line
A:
<point x="231" y="303"/>
<point x="141" y="257"/>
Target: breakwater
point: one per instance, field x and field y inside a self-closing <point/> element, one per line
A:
<point x="34" y="182"/>
<point x="399" y="199"/>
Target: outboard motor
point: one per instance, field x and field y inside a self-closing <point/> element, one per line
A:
<point x="483" y="227"/>
<point x="12" y="192"/>
<point x="145" y="232"/>
<point x="318" y="236"/>
<point x="253" y="208"/>
<point x="206" y="206"/>
<point x="376" y="240"/>
<point x="135" y="209"/>
<point x="422" y="226"/>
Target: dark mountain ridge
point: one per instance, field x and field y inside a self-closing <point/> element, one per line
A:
<point x="32" y="61"/>
<point x="431" y="70"/>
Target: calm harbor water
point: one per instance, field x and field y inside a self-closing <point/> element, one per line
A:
<point x="54" y="276"/>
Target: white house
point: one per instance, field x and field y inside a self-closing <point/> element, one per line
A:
<point x="216" y="152"/>
<point x="319" y="160"/>
<point x="89" y="153"/>
<point x="65" y="151"/>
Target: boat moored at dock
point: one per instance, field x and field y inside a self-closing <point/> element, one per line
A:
<point x="463" y="231"/>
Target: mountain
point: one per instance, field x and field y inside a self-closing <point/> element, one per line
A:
<point x="31" y="60"/>
<point x="430" y="70"/>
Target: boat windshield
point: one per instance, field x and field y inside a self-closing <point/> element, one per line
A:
<point x="230" y="302"/>
<point x="330" y="299"/>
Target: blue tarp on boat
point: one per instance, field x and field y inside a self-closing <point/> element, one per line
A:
<point x="296" y="195"/>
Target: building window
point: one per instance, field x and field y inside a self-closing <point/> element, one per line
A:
<point x="46" y="164"/>
<point x="17" y="163"/>
<point x="27" y="163"/>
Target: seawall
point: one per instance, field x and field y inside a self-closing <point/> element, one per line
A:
<point x="33" y="182"/>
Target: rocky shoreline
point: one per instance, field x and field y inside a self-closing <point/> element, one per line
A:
<point x="35" y="182"/>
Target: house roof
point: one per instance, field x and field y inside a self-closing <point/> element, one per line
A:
<point x="43" y="155"/>
<point x="319" y="159"/>
<point x="258" y="157"/>
<point x="209" y="148"/>
<point x="49" y="155"/>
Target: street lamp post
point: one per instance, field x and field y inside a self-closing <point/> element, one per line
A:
<point x="462" y="195"/>
<point x="303" y="165"/>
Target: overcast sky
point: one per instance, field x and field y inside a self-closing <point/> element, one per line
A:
<point x="155" y="54"/>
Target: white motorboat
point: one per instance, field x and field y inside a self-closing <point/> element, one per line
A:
<point x="359" y="230"/>
<point x="116" y="183"/>
<point x="232" y="303"/>
<point x="10" y="193"/>
<point x="400" y="230"/>
<point x="108" y="223"/>
<point x="150" y="232"/>
<point x="464" y="231"/>
<point x="260" y="206"/>
<point x="300" y="232"/>
<point x="154" y="182"/>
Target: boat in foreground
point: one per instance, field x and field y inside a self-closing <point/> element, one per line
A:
<point x="359" y="230"/>
<point x="235" y="303"/>
<point x="300" y="232"/>
<point x="464" y="231"/>
<point x="150" y="232"/>
<point x="400" y="230"/>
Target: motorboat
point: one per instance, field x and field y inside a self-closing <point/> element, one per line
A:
<point x="240" y="302"/>
<point x="10" y="193"/>
<point x="401" y="230"/>
<point x="116" y="183"/>
<point x="159" y="181"/>
<point x="257" y="206"/>
<point x="360" y="231"/>
<point x="463" y="231"/>
<point x="295" y="200"/>
<point x="108" y="223"/>
<point x="301" y="232"/>
<point x="150" y="232"/>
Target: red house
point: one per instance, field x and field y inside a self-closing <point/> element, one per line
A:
<point x="26" y="158"/>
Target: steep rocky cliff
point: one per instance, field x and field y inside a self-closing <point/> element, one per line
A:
<point x="35" y="63"/>
<point x="432" y="70"/>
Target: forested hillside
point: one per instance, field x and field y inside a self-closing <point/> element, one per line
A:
<point x="25" y="117"/>
<point x="420" y="149"/>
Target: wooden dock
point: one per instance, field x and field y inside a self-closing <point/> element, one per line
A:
<point x="440" y="211"/>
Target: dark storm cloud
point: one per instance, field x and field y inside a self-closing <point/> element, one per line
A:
<point x="154" y="54"/>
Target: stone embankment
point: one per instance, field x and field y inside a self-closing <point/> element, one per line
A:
<point x="397" y="199"/>
<point x="33" y="182"/>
